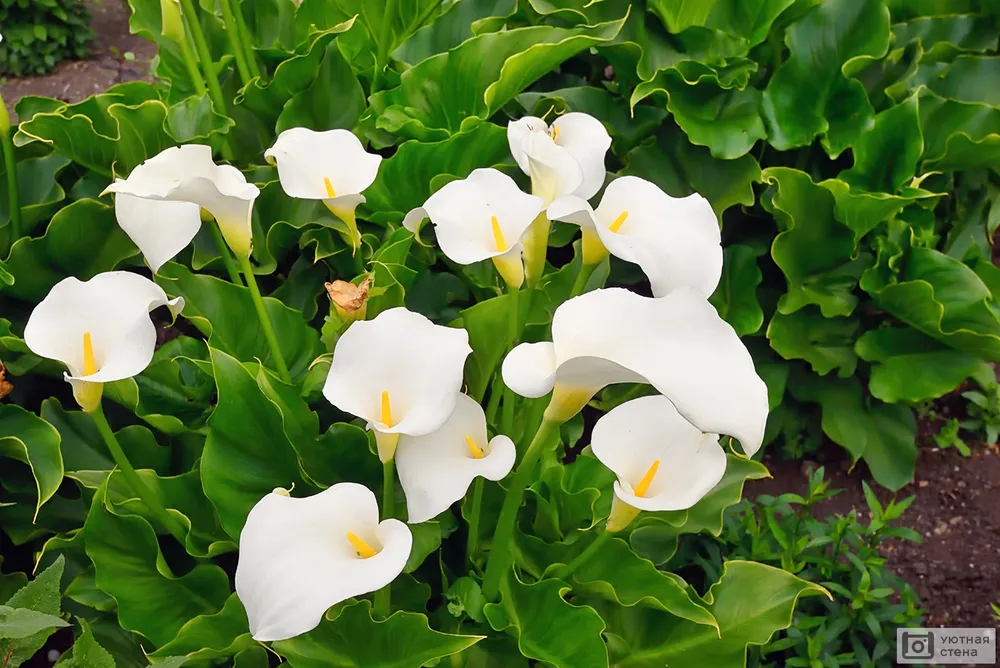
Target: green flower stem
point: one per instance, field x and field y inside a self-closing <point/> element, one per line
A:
<point x="501" y="557"/>
<point x="227" y="259"/>
<point x="586" y="271"/>
<point x="191" y="62"/>
<point x="13" y="195"/>
<point x="474" y="512"/>
<point x="247" y="41"/>
<point x="584" y="556"/>
<point x="235" y="43"/>
<point x="201" y="46"/>
<point x="139" y="488"/>
<point x="385" y="34"/>
<point x="265" y="320"/>
<point x="383" y="595"/>
<point x="509" y="399"/>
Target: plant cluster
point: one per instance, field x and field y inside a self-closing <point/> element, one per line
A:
<point x="857" y="627"/>
<point x="237" y="470"/>
<point x="35" y="35"/>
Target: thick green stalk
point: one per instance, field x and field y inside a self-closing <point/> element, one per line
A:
<point x="474" y="512"/>
<point x="13" y="194"/>
<point x="509" y="399"/>
<point x="383" y="595"/>
<point x="265" y="320"/>
<point x="227" y="259"/>
<point x="247" y="41"/>
<point x="385" y="34"/>
<point x="204" y="54"/>
<point x="191" y="62"/>
<point x="235" y="43"/>
<point x="139" y="488"/>
<point x="501" y="557"/>
<point x="586" y="271"/>
<point x="584" y="556"/>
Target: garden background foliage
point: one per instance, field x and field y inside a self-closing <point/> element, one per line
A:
<point x="38" y="34"/>
<point x="849" y="147"/>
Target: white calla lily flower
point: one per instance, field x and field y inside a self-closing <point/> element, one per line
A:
<point x="566" y="158"/>
<point x="677" y="343"/>
<point x="436" y="469"/>
<point x="481" y="217"/>
<point x="299" y="556"/>
<point x="332" y="166"/>
<point x="100" y="329"/>
<point x="400" y="372"/>
<point x="676" y="241"/>
<point x="662" y="461"/>
<point x="175" y="185"/>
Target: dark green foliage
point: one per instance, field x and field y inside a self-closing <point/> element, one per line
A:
<point x="38" y="34"/>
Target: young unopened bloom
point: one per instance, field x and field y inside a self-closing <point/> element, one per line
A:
<point x="400" y="372"/>
<point x="675" y="241"/>
<point x="677" y="343"/>
<point x="299" y="556"/>
<point x="159" y="204"/>
<point x="566" y="158"/>
<point x="100" y="329"/>
<point x="481" y="217"/>
<point x="436" y="469"/>
<point x="332" y="166"/>
<point x="662" y="461"/>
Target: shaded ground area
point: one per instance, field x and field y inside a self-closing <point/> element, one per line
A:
<point x="956" y="570"/>
<point x="73" y="81"/>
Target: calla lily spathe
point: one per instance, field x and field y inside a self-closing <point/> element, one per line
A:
<point x="481" y="217"/>
<point x="676" y="241"/>
<point x="159" y="204"/>
<point x="677" y="343"/>
<point x="332" y="166"/>
<point x="299" y="556"/>
<point x="436" y="469"/>
<point x="100" y="329"/>
<point x="662" y="461"/>
<point x="566" y="158"/>
<point x="400" y="372"/>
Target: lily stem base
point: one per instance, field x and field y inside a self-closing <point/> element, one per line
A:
<point x="139" y="488"/>
<point x="265" y="319"/>
<point x="383" y="596"/>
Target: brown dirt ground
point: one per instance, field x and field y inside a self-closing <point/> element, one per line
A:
<point x="73" y="81"/>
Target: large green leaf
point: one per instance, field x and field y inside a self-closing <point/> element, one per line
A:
<point x="736" y="297"/>
<point x="40" y="595"/>
<point x="404" y="180"/>
<point x="958" y="135"/>
<point x="131" y="569"/>
<point x="37" y="188"/>
<point x="226" y="315"/>
<point x="82" y="240"/>
<point x="910" y="366"/>
<point x="814" y="250"/>
<point x="970" y="78"/>
<point x="751" y="602"/>
<point x="548" y="628"/>
<point x="247" y="453"/>
<point x="487" y="325"/>
<point x="618" y="574"/>
<point x="810" y="95"/>
<point x="883" y="434"/>
<point x="942" y="36"/>
<point x="353" y="639"/>
<point x="680" y="168"/>
<point x="113" y="143"/>
<point x="450" y="91"/>
<point x="333" y="100"/>
<point x="19" y="623"/>
<point x="886" y="157"/>
<point x="826" y="343"/>
<point x="211" y="637"/>
<point x="460" y="22"/>
<point x="30" y="439"/>
<point x="86" y="653"/>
